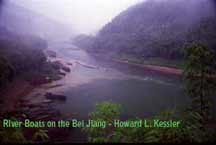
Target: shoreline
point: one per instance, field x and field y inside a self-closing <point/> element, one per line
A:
<point x="15" y="91"/>
<point x="14" y="96"/>
<point x="157" y="68"/>
<point x="14" y="101"/>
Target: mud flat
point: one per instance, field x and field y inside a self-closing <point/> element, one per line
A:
<point x="160" y="69"/>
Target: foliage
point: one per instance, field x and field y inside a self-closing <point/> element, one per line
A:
<point x="108" y="112"/>
<point x="157" y="29"/>
<point x="18" y="135"/>
<point x="204" y="32"/>
<point x="41" y="135"/>
<point x="22" y="56"/>
<point x="12" y="135"/>
<point x="151" y="61"/>
<point x="190" y="130"/>
<point x="200" y="73"/>
<point x="7" y="71"/>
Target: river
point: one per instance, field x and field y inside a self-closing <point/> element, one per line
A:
<point x="140" y="93"/>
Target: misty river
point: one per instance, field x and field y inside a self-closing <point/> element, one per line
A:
<point x="140" y="93"/>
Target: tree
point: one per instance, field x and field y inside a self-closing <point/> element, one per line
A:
<point x="188" y="132"/>
<point x="18" y="135"/>
<point x="6" y="71"/>
<point x="105" y="111"/>
<point x="200" y="75"/>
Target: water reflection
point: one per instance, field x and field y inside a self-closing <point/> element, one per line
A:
<point x="142" y="93"/>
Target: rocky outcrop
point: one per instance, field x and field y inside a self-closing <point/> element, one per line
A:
<point x="66" y="69"/>
<point x="51" y="53"/>
<point x="70" y="63"/>
<point x="62" y="73"/>
<point x="59" y="65"/>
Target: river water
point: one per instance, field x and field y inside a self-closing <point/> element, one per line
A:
<point x="140" y="93"/>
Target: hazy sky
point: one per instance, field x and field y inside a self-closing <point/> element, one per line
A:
<point x="86" y="16"/>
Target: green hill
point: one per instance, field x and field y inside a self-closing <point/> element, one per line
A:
<point x="158" y="29"/>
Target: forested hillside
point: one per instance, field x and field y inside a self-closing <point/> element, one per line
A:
<point x="23" y="38"/>
<point x="24" y="21"/>
<point x="21" y="56"/>
<point x="158" y="29"/>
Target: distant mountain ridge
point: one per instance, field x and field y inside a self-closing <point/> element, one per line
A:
<point x="159" y="28"/>
<point x="23" y="21"/>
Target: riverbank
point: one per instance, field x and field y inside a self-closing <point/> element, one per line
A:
<point x="151" y="65"/>
<point x="13" y="93"/>
<point x="17" y="99"/>
<point x="160" y="69"/>
<point x="155" y="67"/>
<point x="17" y="90"/>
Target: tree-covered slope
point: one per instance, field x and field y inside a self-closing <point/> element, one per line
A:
<point x="24" y="21"/>
<point x="159" y="28"/>
<point x="22" y="56"/>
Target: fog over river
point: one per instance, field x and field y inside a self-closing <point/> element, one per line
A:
<point x="140" y="93"/>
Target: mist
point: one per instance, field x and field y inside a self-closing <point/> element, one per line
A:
<point x="1" y="3"/>
<point x="65" y="63"/>
<point x="84" y="16"/>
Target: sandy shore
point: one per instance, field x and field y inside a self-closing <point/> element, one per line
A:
<point x="161" y="69"/>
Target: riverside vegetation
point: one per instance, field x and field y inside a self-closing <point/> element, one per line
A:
<point x="23" y="58"/>
<point x="196" y="120"/>
<point x="155" y="32"/>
